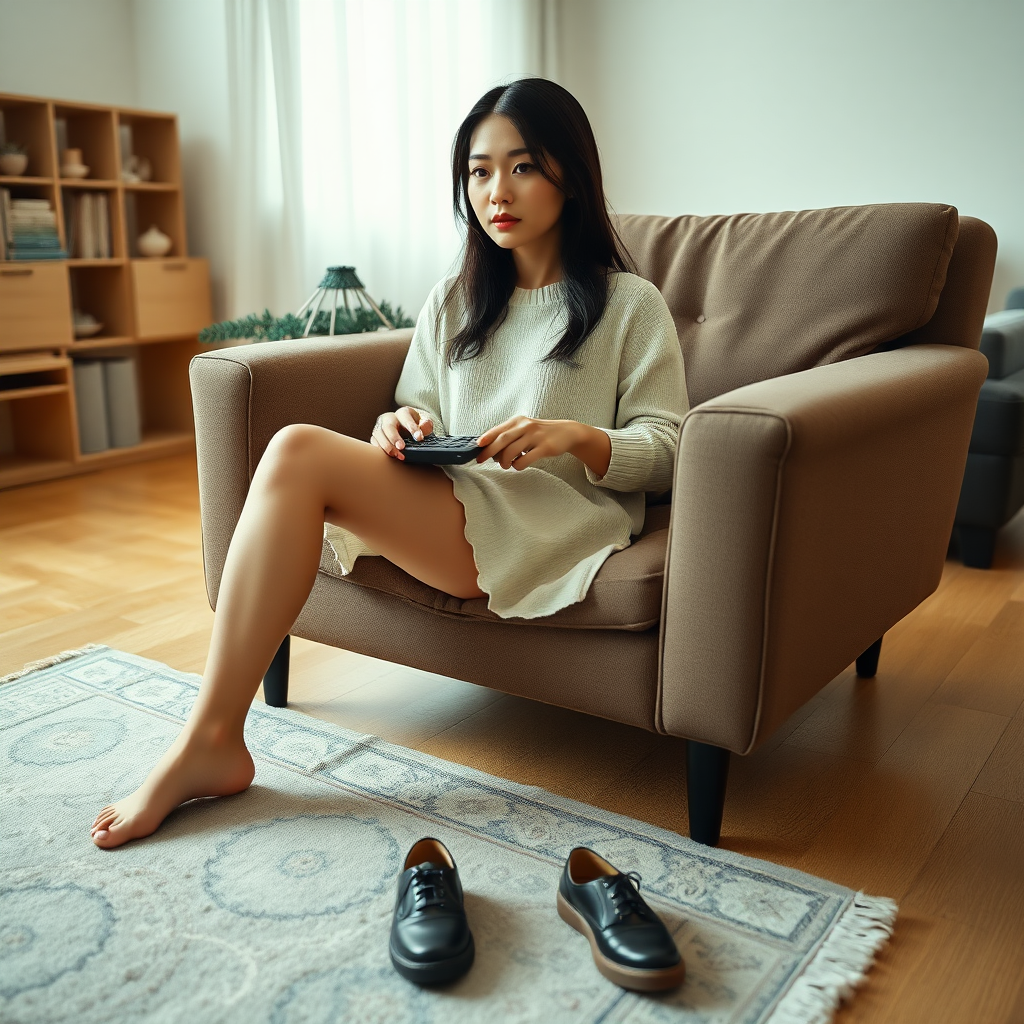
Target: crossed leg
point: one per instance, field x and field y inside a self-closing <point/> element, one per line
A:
<point x="409" y="514"/>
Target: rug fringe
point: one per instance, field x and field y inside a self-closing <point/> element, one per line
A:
<point x="840" y="963"/>
<point x="56" y="659"/>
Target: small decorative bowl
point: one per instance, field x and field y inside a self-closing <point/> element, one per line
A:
<point x="13" y="164"/>
<point x="74" y="171"/>
<point x="85" y="330"/>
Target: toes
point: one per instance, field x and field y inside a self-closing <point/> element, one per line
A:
<point x="104" y="820"/>
<point x="108" y="835"/>
<point x="108" y="810"/>
<point x="116" y="832"/>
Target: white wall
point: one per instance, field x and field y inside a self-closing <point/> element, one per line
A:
<point x="182" y="53"/>
<point x="757" y="105"/>
<point x="69" y="49"/>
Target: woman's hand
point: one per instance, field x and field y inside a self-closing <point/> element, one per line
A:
<point x="522" y="441"/>
<point x="386" y="433"/>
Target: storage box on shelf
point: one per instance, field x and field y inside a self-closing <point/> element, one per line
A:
<point x="150" y="309"/>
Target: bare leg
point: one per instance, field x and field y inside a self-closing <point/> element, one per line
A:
<point x="308" y="474"/>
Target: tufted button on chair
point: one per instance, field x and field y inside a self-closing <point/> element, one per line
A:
<point x="833" y="373"/>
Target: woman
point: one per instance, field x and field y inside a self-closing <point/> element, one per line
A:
<point x="568" y="362"/>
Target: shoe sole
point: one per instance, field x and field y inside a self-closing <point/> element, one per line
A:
<point x="654" y="980"/>
<point x="436" y="972"/>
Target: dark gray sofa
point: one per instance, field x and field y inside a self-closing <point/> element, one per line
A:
<point x="993" y="487"/>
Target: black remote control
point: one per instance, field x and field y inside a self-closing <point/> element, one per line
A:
<point x="440" y="451"/>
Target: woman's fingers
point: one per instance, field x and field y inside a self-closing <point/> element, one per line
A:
<point x="408" y="418"/>
<point x="417" y="423"/>
<point x="387" y="426"/>
<point x="505" y="447"/>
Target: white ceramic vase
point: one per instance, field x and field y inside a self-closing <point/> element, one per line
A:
<point x="154" y="242"/>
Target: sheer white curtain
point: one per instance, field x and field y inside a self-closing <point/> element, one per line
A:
<point x="343" y="114"/>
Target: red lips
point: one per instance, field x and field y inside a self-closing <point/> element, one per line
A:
<point x="502" y="218"/>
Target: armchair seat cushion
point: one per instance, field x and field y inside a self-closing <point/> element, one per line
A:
<point x="625" y="593"/>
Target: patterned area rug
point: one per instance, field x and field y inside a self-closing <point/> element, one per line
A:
<point x="275" y="905"/>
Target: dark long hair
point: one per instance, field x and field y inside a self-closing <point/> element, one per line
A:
<point x="552" y="124"/>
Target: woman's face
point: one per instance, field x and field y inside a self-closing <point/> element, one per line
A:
<point x="503" y="180"/>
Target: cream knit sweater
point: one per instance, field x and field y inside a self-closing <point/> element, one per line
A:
<point x="539" y="535"/>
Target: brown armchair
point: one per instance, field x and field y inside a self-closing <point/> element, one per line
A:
<point x="833" y="376"/>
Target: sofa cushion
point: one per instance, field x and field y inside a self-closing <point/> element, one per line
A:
<point x="756" y="296"/>
<point x="625" y="593"/>
<point x="999" y="420"/>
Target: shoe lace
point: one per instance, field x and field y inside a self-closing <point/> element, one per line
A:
<point x="624" y="892"/>
<point x="429" y="888"/>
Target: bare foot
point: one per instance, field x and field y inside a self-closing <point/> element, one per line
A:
<point x="193" y="766"/>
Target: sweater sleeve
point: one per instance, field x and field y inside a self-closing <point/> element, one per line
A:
<point x="417" y="386"/>
<point x="652" y="400"/>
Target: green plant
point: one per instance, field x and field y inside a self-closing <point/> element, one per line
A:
<point x="267" y="327"/>
<point x="12" y="149"/>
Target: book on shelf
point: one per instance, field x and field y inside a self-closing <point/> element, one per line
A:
<point x="29" y="229"/>
<point x="103" y="224"/>
<point x="107" y="400"/>
<point x="87" y="216"/>
<point x="5" y="223"/>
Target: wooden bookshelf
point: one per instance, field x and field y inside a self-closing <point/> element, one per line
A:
<point x="150" y="308"/>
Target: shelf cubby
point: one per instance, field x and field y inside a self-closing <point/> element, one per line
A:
<point x="146" y="208"/>
<point x="73" y="191"/>
<point x="103" y="292"/>
<point x="27" y="122"/>
<point x="93" y="131"/>
<point x="38" y="437"/>
<point x="154" y="138"/>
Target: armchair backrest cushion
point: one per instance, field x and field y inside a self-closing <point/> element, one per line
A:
<point x="756" y="296"/>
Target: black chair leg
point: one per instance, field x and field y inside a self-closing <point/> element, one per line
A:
<point x="977" y="546"/>
<point x="275" y="682"/>
<point x="867" y="663"/>
<point x="707" y="769"/>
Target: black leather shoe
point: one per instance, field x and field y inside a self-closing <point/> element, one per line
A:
<point x="630" y="944"/>
<point x="430" y="938"/>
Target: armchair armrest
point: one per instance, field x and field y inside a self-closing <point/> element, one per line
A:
<point x="242" y="396"/>
<point x="810" y="513"/>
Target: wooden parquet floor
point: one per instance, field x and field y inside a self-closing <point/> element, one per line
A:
<point x="910" y="785"/>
